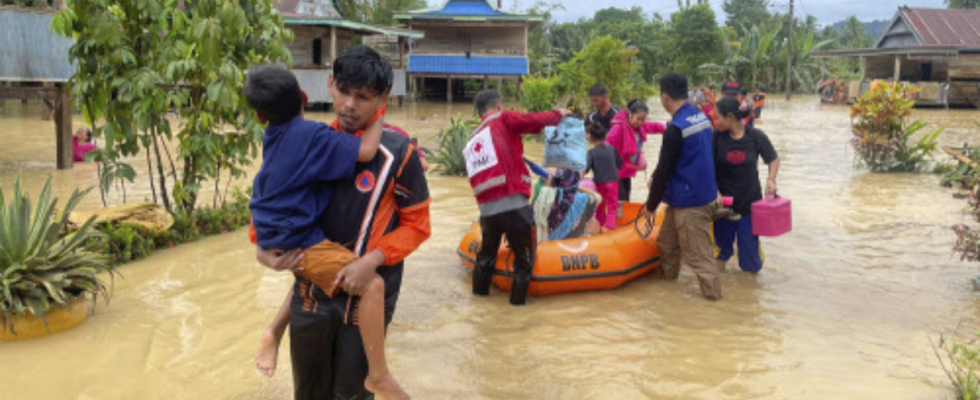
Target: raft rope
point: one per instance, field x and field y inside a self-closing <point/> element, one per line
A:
<point x="648" y="223"/>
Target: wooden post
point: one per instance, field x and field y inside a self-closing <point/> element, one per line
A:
<point x="449" y="89"/>
<point x="401" y="52"/>
<point x="517" y="92"/>
<point x="62" y="126"/>
<point x="411" y="87"/>
<point x="949" y="82"/>
<point x="898" y="68"/>
<point x="525" y="38"/>
<point x="333" y="44"/>
<point x="486" y="83"/>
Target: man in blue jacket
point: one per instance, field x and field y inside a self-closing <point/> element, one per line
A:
<point x="685" y="181"/>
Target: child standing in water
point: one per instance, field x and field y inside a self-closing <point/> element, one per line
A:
<point x="604" y="162"/>
<point x="290" y="193"/>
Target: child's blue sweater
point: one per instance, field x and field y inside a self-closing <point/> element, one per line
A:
<point x="290" y="191"/>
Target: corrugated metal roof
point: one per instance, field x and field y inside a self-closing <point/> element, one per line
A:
<point x="308" y="8"/>
<point x="461" y="65"/>
<point x="356" y="26"/>
<point x="945" y="27"/>
<point x="325" y="13"/>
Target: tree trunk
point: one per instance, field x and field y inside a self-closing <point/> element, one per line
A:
<point x="189" y="197"/>
<point x="163" y="176"/>
<point x="149" y="170"/>
<point x="217" y="188"/>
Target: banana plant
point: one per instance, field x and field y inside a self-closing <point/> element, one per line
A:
<point x="42" y="263"/>
<point x="759" y="48"/>
<point x="733" y="61"/>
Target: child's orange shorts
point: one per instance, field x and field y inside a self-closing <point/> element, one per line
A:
<point x="322" y="263"/>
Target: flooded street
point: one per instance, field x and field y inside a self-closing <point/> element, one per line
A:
<point x="842" y="310"/>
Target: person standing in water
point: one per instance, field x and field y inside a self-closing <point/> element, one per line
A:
<point x="685" y="180"/>
<point x="628" y="134"/>
<point x="381" y="215"/>
<point x="502" y="185"/>
<point x="759" y="101"/>
<point x="81" y="144"/>
<point x="737" y="150"/>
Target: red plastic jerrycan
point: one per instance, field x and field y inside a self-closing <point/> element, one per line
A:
<point x="772" y="216"/>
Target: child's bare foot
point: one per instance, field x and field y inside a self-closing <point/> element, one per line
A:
<point x="385" y="387"/>
<point x="268" y="354"/>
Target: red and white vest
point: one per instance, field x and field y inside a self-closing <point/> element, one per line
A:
<point x="494" y="162"/>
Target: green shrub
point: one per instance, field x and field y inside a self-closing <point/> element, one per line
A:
<point x="41" y="262"/>
<point x="960" y="361"/>
<point x="539" y="93"/>
<point x="123" y="242"/>
<point x="452" y="141"/>
<point x="604" y="60"/>
<point x="882" y="133"/>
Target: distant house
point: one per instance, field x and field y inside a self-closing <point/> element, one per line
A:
<point x="34" y="61"/>
<point x="465" y="40"/>
<point x="322" y="32"/>
<point x="34" y="65"/>
<point x="937" y="49"/>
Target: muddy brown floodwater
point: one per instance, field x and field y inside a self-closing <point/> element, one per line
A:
<point x="843" y="309"/>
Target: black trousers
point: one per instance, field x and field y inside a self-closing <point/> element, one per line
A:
<point x="518" y="225"/>
<point x="328" y="356"/>
<point x="625" y="187"/>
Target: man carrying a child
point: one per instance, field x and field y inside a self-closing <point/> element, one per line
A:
<point x="382" y="215"/>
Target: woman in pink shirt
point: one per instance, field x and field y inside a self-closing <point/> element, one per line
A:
<point x="628" y="133"/>
<point x="82" y="144"/>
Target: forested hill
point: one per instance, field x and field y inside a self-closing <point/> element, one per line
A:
<point x="873" y="29"/>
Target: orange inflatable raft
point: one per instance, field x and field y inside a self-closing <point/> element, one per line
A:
<point x="599" y="262"/>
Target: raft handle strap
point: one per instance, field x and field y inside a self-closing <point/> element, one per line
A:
<point x="647" y="220"/>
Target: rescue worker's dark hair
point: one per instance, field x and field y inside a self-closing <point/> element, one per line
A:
<point x="88" y="134"/>
<point x="597" y="132"/>
<point x="274" y="93"/>
<point x="731" y="107"/>
<point x="744" y="92"/>
<point x="636" y="106"/>
<point x="674" y="86"/>
<point x="485" y="100"/>
<point x="362" y="67"/>
<point x="598" y="90"/>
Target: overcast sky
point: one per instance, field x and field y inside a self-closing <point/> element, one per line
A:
<point x="826" y="11"/>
